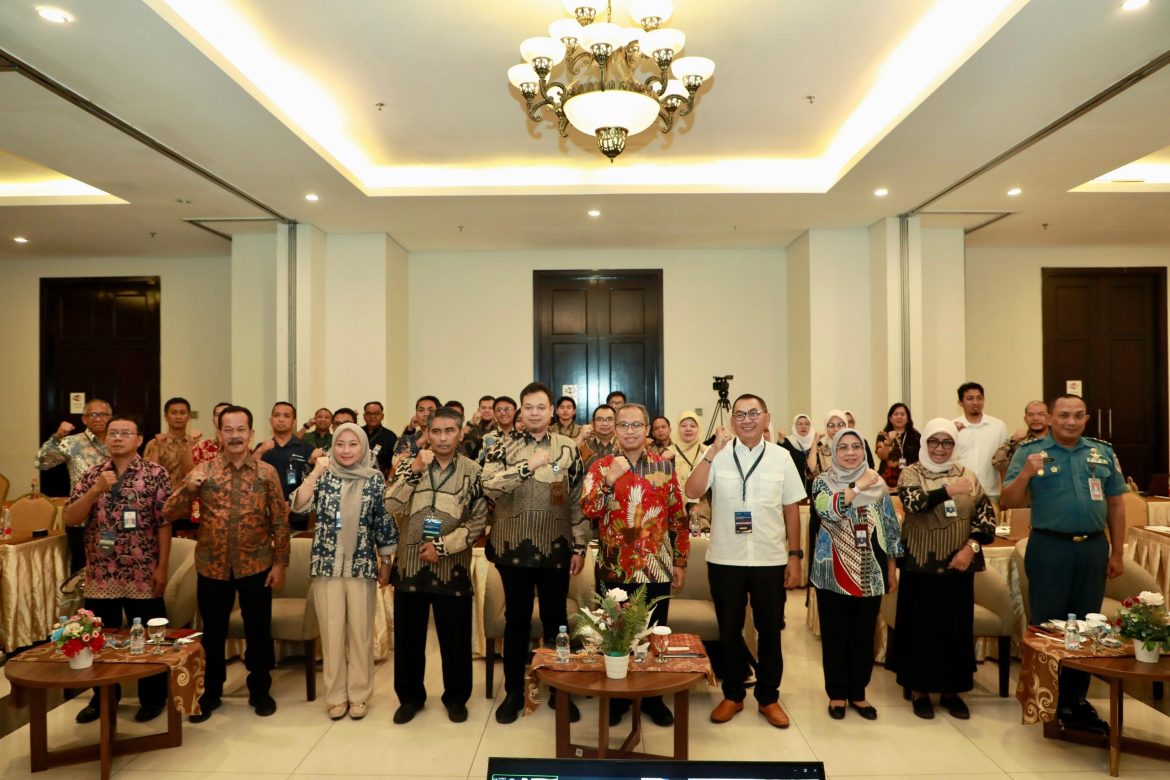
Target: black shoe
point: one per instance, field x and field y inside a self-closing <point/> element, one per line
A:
<point x="574" y="713"/>
<point x="869" y="712"/>
<point x="406" y="712"/>
<point x="1082" y="717"/>
<point x="659" y="713"/>
<point x="955" y="706"/>
<point x="509" y="708"/>
<point x="264" y="705"/>
<point x="837" y="712"/>
<point x="923" y="708"/>
<point x="617" y="710"/>
<point x="90" y="712"/>
<point x="146" y="713"/>
<point x="205" y="710"/>
<point x="456" y="713"/>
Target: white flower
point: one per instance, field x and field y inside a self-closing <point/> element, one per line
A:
<point x="1151" y="599"/>
<point x="72" y="629"/>
<point x="617" y="594"/>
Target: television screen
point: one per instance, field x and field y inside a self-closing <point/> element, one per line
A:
<point x="578" y="769"/>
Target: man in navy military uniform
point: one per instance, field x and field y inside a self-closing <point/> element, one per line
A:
<point x="1076" y="487"/>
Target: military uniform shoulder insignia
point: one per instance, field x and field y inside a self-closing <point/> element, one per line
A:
<point x="1094" y="441"/>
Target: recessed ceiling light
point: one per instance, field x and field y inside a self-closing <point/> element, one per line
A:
<point x="594" y="213"/>
<point x="54" y="15"/>
<point x="312" y="197"/>
<point x="1014" y="191"/>
<point x="881" y="192"/>
<point x="20" y="240"/>
<point x="1133" y="5"/>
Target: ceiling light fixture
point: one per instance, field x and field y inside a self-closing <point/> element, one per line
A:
<point x="1134" y="5"/>
<point x="606" y="95"/>
<point x="1014" y="191"/>
<point x="312" y="197"/>
<point x="54" y="15"/>
<point x="594" y="213"/>
<point x="881" y="192"/>
<point x="20" y="240"/>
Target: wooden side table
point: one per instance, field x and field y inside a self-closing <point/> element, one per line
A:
<point x="35" y="678"/>
<point x="636" y="686"/>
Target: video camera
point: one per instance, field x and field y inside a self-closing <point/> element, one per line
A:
<point x="722" y="385"/>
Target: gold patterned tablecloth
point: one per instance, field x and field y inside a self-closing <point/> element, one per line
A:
<point x="186" y="662"/>
<point x="544" y="658"/>
<point x="1040" y="657"/>
<point x="31" y="573"/>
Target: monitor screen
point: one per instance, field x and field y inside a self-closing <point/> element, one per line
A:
<point x="590" y="769"/>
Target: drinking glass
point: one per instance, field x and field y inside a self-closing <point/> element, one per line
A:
<point x="590" y="642"/>
<point x="157" y="628"/>
<point x="660" y="639"/>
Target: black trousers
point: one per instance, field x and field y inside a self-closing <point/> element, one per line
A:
<point x="1066" y="576"/>
<point x="453" y="626"/>
<point x="152" y="691"/>
<point x="216" y="599"/>
<point x="730" y="588"/>
<point x="551" y="587"/>
<point x="847" y="629"/>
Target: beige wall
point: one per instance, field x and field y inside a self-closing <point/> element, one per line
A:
<point x="195" y="314"/>
<point x="723" y="313"/>
<point x="943" y="303"/>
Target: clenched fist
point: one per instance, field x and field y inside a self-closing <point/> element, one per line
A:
<point x="63" y="430"/>
<point x="104" y="482"/>
<point x="618" y="469"/>
<point x="538" y="459"/>
<point x="195" y="480"/>
<point x="422" y="461"/>
<point x="961" y="487"/>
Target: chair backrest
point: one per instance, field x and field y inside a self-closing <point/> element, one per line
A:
<point x="696" y="586"/>
<point x="993" y="593"/>
<point x="296" y="578"/>
<point x="180" y="596"/>
<point x="1020" y="521"/>
<point x="3" y="488"/>
<point x="1022" y="574"/>
<point x="31" y="513"/>
<point x="1136" y="511"/>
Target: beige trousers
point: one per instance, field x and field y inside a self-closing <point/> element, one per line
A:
<point x="345" y="613"/>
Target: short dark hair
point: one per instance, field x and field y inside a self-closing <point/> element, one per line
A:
<point x="532" y="388"/>
<point x="568" y="398"/>
<point x="963" y="388"/>
<point x="446" y="413"/>
<point x="599" y="408"/>
<point x="176" y="400"/>
<point x="1066" y="397"/>
<point x="483" y="398"/>
<point x="654" y="419"/>
<point x="126" y="418"/>
<point x="221" y="403"/>
<point x="289" y="404"/>
<point x="504" y="399"/>
<point x="350" y="412"/>
<point x="323" y="409"/>
<point x="430" y="398"/>
<point x="455" y="405"/>
<point x="233" y="409"/>
<point x="754" y="397"/>
<point x="615" y="394"/>
<point x="367" y="403"/>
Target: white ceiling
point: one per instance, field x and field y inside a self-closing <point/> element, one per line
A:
<point x="439" y="67"/>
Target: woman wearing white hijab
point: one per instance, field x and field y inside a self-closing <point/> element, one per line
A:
<point x="799" y="444"/>
<point x="948" y="519"/>
<point x="852" y="568"/>
<point x="352" y="544"/>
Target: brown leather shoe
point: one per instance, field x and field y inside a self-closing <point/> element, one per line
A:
<point x="725" y="710"/>
<point x="774" y="715"/>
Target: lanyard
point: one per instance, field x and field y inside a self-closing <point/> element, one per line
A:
<point x="739" y="468"/>
<point x="435" y="490"/>
<point x="689" y="462"/>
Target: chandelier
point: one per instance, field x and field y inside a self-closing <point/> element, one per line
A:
<point x="606" y="95"/>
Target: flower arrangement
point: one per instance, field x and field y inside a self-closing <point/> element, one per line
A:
<point x="620" y="619"/>
<point x="82" y="630"/>
<point x="1143" y="618"/>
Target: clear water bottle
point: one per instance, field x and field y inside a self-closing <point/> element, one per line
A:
<point x="137" y="637"/>
<point x="563" y="645"/>
<point x="696" y="529"/>
<point x="1072" y="638"/>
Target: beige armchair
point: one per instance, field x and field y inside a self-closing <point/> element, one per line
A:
<point x="994" y="617"/>
<point x="181" y="583"/>
<point x="692" y="611"/>
<point x="294" y="618"/>
<point x="31" y="513"/>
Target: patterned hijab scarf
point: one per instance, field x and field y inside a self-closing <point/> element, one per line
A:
<point x="353" y="482"/>
<point x="838" y="477"/>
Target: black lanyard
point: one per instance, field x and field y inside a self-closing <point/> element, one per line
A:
<point x="435" y="490"/>
<point x="739" y="468"/>
<point x="683" y="455"/>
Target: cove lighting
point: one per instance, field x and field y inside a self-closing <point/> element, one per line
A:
<point x="1014" y="191"/>
<point x="20" y="240"/>
<point x="881" y="192"/>
<point x="54" y="15"/>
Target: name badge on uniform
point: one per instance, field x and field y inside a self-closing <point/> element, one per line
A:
<point x="1095" y="491"/>
<point x="556" y="466"/>
<point x="129" y="519"/>
<point x="743" y="522"/>
<point x="290" y="475"/>
<point x="950" y="509"/>
<point x="558" y="492"/>
<point x="106" y="540"/>
<point x="861" y="536"/>
<point x="432" y="529"/>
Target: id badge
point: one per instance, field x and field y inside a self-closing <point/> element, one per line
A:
<point x="861" y="536"/>
<point x="106" y="541"/>
<point x="432" y="529"/>
<point x="129" y="519"/>
<point x="743" y="522"/>
<point x="558" y="492"/>
<point x="950" y="509"/>
<point x="1095" y="491"/>
<point x="290" y="474"/>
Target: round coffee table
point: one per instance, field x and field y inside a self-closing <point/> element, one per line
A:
<point x="636" y="686"/>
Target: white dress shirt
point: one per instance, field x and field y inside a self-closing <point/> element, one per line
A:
<point x="774" y="484"/>
<point x="977" y="445"/>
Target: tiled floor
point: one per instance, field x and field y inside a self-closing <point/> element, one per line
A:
<point x="301" y="742"/>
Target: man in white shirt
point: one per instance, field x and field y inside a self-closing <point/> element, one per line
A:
<point x="980" y="435"/>
<point x="755" y="490"/>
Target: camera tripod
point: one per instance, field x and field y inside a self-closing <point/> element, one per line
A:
<point x="719" y="418"/>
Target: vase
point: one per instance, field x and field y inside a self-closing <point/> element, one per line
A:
<point x="83" y="660"/>
<point x="617" y="666"/>
<point x="1144" y="655"/>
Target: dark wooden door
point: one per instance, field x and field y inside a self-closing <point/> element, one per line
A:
<point x="99" y="336"/>
<point x="600" y="331"/>
<point x="1107" y="328"/>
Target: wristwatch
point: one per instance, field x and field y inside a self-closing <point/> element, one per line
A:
<point x="853" y="486"/>
<point x="974" y="545"/>
<point x="798" y="554"/>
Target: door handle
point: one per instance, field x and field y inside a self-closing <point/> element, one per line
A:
<point x="1111" y="426"/>
<point x="1098" y="423"/>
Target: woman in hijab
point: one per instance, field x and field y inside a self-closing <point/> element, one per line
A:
<point x="898" y="444"/>
<point x="799" y="444"/>
<point x="352" y="544"/>
<point x="948" y="520"/>
<point x="852" y="567"/>
<point x="688" y="448"/>
<point x="821" y="457"/>
<point x="660" y="441"/>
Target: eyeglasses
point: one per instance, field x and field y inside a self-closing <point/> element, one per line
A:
<point x="940" y="444"/>
<point x="832" y="425"/>
<point x="750" y="414"/>
<point x="603" y="419"/>
<point x="97" y="415"/>
<point x="850" y="448"/>
<point x="121" y="434"/>
<point x="505" y="408"/>
<point x="631" y="426"/>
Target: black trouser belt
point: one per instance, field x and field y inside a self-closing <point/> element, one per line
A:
<point x="1068" y="537"/>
